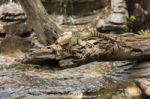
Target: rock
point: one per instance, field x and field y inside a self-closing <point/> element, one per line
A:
<point x="134" y="92"/>
<point x="11" y="8"/>
<point x="118" y="18"/>
<point x="118" y="3"/>
<point x="11" y="13"/>
<point x="120" y="10"/>
<point x="6" y="1"/>
<point x="124" y="5"/>
<point x="140" y="71"/>
<point x="12" y="20"/>
<point x="131" y="92"/>
<point x="78" y="5"/>
<point x="145" y="85"/>
<point x="103" y="26"/>
<point x="91" y="81"/>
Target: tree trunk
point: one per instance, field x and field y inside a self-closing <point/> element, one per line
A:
<point x="46" y="30"/>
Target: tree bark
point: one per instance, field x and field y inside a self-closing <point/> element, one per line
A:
<point x="137" y="48"/>
<point x="46" y="30"/>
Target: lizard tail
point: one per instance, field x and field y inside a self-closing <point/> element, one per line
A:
<point x="95" y="33"/>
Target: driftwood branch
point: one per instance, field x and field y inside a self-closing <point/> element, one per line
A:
<point x="46" y="30"/>
<point x="137" y="48"/>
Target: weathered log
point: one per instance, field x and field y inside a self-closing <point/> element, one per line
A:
<point x="46" y="30"/>
<point x="137" y="48"/>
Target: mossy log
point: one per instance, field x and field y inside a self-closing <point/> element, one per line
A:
<point x="137" y="48"/>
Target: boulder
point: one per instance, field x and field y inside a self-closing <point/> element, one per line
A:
<point x="11" y="13"/>
<point x="121" y="10"/>
<point x="91" y="81"/>
<point x="105" y="27"/>
<point x="118" y="18"/>
<point x="118" y="4"/>
<point x="12" y="19"/>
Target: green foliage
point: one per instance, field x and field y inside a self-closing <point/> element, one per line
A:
<point x="145" y="33"/>
<point x="132" y="20"/>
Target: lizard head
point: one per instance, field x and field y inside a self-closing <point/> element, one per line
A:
<point x="64" y="38"/>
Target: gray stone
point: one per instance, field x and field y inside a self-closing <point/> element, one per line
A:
<point x="73" y="82"/>
<point x="118" y="18"/>
<point x="120" y="10"/>
<point x="100" y="23"/>
<point x="144" y="84"/>
<point x="117" y="21"/>
<point x="117" y="2"/>
<point x="11" y="13"/>
<point x="103" y="26"/>
<point x="120" y="5"/>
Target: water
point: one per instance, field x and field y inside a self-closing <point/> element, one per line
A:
<point x="6" y="93"/>
<point x="29" y="81"/>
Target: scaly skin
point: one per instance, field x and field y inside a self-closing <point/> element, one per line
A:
<point x="78" y="37"/>
<point x="86" y="33"/>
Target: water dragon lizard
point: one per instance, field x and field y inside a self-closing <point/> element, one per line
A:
<point x="73" y="38"/>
